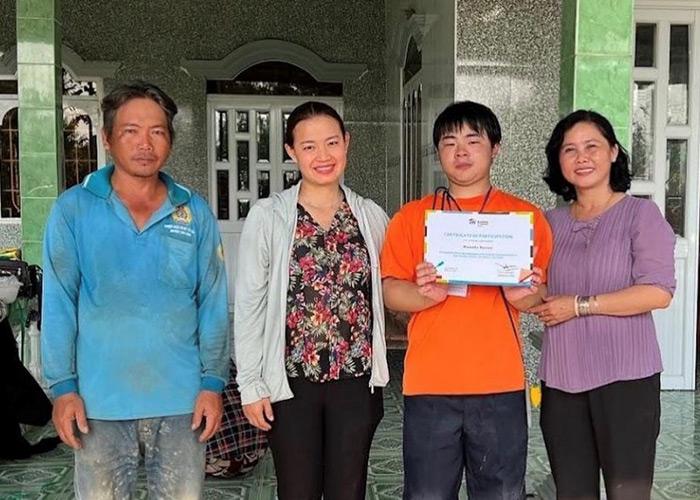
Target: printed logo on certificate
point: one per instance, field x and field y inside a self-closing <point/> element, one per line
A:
<point x="472" y="248"/>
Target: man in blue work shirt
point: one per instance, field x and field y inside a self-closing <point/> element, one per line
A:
<point x="135" y="312"/>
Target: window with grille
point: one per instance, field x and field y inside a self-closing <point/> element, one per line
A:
<point x="9" y="165"/>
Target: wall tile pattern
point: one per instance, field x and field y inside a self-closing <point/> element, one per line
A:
<point x="597" y="59"/>
<point x="508" y="58"/>
<point x="40" y="116"/>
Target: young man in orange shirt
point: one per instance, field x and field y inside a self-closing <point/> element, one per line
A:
<point x="464" y="380"/>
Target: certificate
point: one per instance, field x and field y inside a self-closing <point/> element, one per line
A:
<point x="478" y="248"/>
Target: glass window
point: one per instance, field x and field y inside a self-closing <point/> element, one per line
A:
<point x="413" y="62"/>
<point x="285" y="157"/>
<point x="678" y="76"/>
<point x="221" y="136"/>
<point x="644" y="40"/>
<point x="222" y="199"/>
<point x="290" y="178"/>
<point x="242" y="122"/>
<point x="263" y="183"/>
<point x="263" y="131"/>
<point x="411" y="157"/>
<point x="418" y="163"/>
<point x="676" y="166"/>
<point x="643" y="130"/>
<point x="9" y="165"/>
<point x="79" y="146"/>
<point x="8" y="87"/>
<point x="243" y="165"/>
<point x="243" y="208"/>
<point x="406" y="150"/>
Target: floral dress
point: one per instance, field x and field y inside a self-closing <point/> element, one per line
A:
<point x="329" y="313"/>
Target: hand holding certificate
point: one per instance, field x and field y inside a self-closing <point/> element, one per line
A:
<point x="478" y="248"/>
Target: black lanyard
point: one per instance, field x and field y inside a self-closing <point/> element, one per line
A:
<point x="447" y="197"/>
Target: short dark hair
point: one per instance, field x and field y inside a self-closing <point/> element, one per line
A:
<point x="620" y="175"/>
<point x="307" y="110"/>
<point x="478" y="117"/>
<point x="138" y="89"/>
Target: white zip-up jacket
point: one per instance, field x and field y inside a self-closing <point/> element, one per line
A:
<point x="261" y="284"/>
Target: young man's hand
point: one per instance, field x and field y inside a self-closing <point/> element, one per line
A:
<point x="525" y="297"/>
<point x="67" y="409"/>
<point x="426" y="277"/>
<point x="259" y="414"/>
<point x="209" y="406"/>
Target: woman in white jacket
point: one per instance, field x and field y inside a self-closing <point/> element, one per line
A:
<point x="309" y="317"/>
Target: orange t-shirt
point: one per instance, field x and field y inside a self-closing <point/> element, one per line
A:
<point x="465" y="345"/>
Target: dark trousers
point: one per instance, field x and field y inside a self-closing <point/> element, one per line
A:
<point x="443" y="435"/>
<point x="320" y="439"/>
<point x="612" y="428"/>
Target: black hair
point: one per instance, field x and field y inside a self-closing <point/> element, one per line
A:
<point x="138" y="89"/>
<point x="308" y="110"/>
<point x="478" y="117"/>
<point x="620" y="175"/>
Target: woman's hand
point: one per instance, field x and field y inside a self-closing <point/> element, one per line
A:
<point x="259" y="414"/>
<point x="556" y="309"/>
<point x="426" y="279"/>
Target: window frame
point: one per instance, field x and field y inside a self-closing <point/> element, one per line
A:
<point x="89" y="104"/>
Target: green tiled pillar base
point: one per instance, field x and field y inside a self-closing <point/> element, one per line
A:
<point x="40" y="116"/>
<point x="596" y="60"/>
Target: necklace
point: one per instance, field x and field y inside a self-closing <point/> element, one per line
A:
<point x="314" y="206"/>
<point x="576" y="208"/>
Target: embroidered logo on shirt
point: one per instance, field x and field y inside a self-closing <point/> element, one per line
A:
<point x="181" y="228"/>
<point x="182" y="215"/>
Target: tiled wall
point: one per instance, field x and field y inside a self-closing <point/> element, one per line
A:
<point x="40" y="116"/>
<point x="508" y="58"/>
<point x="151" y="38"/>
<point x="505" y="53"/>
<point x="597" y="59"/>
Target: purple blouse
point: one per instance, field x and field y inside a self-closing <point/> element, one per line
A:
<point x="629" y="244"/>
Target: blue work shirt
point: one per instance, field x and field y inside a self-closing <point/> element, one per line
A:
<point x="135" y="321"/>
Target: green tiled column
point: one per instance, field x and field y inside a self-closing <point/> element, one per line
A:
<point x="596" y="59"/>
<point x="40" y="116"/>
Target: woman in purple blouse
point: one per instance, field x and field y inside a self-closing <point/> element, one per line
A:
<point x="611" y="266"/>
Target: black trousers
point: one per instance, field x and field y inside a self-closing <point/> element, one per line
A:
<point x="612" y="428"/>
<point x="320" y="439"/>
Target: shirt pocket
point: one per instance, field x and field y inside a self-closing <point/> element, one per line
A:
<point x="177" y="266"/>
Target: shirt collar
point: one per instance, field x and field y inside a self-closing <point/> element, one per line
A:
<point x="99" y="183"/>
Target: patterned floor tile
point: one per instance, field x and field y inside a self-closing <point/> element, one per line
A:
<point x="385" y="468"/>
<point x="684" y="488"/>
<point x="50" y="476"/>
<point x="385" y="491"/>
